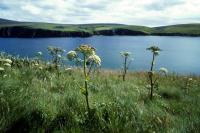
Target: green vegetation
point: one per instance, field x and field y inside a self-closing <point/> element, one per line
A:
<point x="98" y="29"/>
<point x="153" y="81"/>
<point x="33" y="98"/>
<point x="89" y="60"/>
<point x="126" y="63"/>
<point x="56" y="54"/>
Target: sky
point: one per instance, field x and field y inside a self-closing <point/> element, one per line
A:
<point x="133" y="12"/>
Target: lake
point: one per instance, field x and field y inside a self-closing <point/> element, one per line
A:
<point x="180" y="54"/>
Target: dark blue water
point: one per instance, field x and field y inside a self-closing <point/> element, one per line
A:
<point x="180" y="54"/>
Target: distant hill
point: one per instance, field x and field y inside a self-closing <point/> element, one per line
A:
<point x="5" y="21"/>
<point x="9" y="28"/>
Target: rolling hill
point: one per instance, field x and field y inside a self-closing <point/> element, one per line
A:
<point x="9" y="28"/>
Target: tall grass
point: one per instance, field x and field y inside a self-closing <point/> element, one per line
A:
<point x="37" y="100"/>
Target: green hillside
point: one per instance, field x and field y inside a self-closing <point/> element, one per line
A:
<point x="95" y="29"/>
<point x="182" y="28"/>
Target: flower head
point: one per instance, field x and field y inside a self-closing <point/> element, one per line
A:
<point x="125" y="54"/>
<point x="95" y="58"/>
<point x="36" y="64"/>
<point x="86" y="49"/>
<point x="2" y="69"/>
<point x="40" y="67"/>
<point x="154" y="49"/>
<point x="39" y="53"/>
<point x="7" y="65"/>
<point x="59" y="56"/>
<point x="71" y="55"/>
<point x="163" y="70"/>
<point x="8" y="61"/>
<point x="70" y="70"/>
<point x="189" y="79"/>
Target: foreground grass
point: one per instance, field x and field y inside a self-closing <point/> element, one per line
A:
<point x="38" y="100"/>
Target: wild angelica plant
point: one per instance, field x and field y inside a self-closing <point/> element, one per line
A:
<point x="155" y="51"/>
<point x="56" y="54"/>
<point x="126" y="63"/>
<point x="87" y="55"/>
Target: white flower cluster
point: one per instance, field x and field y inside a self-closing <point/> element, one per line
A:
<point x="6" y="63"/>
<point x="39" y="53"/>
<point x="163" y="70"/>
<point x="1" y="69"/>
<point x="71" y="55"/>
<point x="59" y="56"/>
<point x="125" y="54"/>
<point x="95" y="58"/>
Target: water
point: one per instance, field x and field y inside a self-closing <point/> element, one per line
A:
<point x="180" y="54"/>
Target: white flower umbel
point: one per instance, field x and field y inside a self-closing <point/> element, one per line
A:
<point x="95" y="58"/>
<point x="7" y="65"/>
<point x="1" y="69"/>
<point x="71" y="55"/>
<point x="163" y="70"/>
<point x="39" y="53"/>
<point x="8" y="61"/>
<point x="125" y="54"/>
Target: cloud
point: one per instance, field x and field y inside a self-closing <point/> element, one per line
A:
<point x="162" y="5"/>
<point x="31" y="9"/>
<point x="135" y="12"/>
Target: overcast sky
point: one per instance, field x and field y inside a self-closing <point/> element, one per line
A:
<point x="134" y="12"/>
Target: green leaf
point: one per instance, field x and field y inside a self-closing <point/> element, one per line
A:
<point x="87" y="78"/>
<point x="83" y="90"/>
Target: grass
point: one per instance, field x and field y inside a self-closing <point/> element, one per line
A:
<point x="96" y="29"/>
<point x="38" y="100"/>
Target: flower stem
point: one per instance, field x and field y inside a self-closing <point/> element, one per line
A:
<point x="125" y="68"/>
<point x="86" y="85"/>
<point x="151" y="77"/>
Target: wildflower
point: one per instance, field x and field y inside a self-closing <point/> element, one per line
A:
<point x="163" y="70"/>
<point x="56" y="54"/>
<point x="68" y="69"/>
<point x="88" y="55"/>
<point x="71" y="55"/>
<point x="59" y="56"/>
<point x="2" y="69"/>
<point x="40" y="67"/>
<point x="156" y="52"/>
<point x="7" y="64"/>
<point x="154" y="49"/>
<point x="36" y="64"/>
<point x="39" y="53"/>
<point x="8" y="61"/>
<point x="95" y="58"/>
<point x="190" y="79"/>
<point x="86" y="49"/>
<point x="125" y="54"/>
<point x="148" y="86"/>
<point x="126" y="63"/>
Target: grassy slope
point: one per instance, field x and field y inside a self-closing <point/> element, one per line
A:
<point x="38" y="100"/>
<point x="190" y="29"/>
<point x="183" y="28"/>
